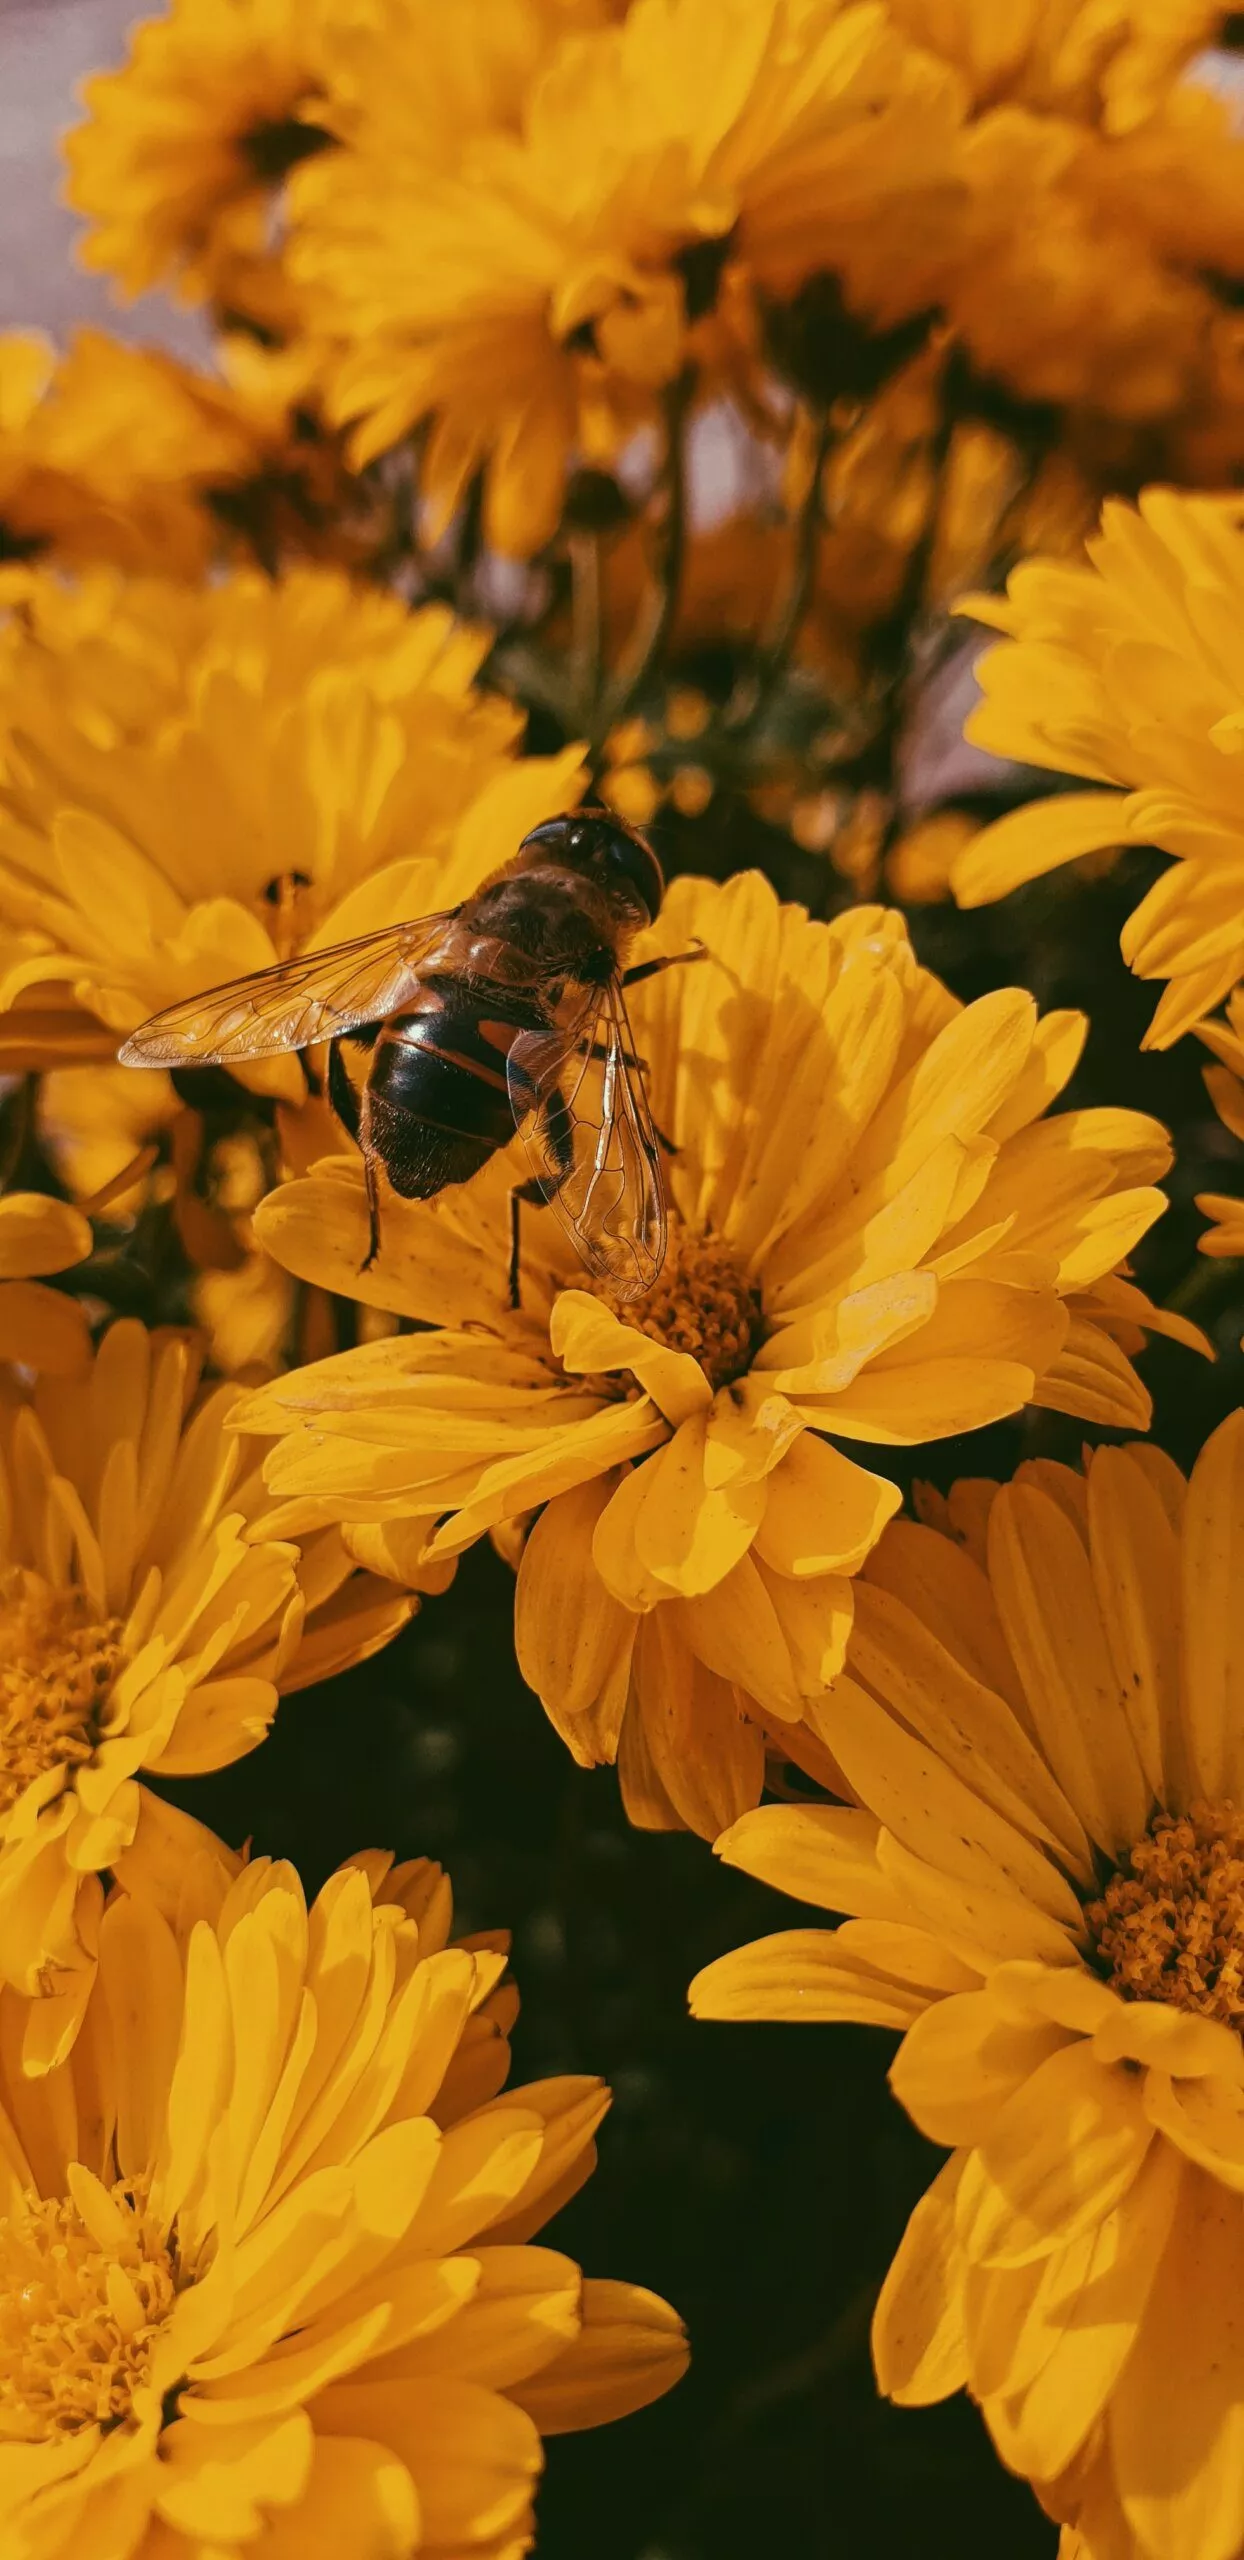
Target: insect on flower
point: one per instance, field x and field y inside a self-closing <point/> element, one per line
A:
<point x="483" y="1019"/>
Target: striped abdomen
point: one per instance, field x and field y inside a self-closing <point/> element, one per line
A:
<point x="437" y="1101"/>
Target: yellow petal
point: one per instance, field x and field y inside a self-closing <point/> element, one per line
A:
<point x="631" y="2348"/>
<point x="1213" y="1613"/>
<point x="824" y="1514"/>
<point x="39" y="1235"/>
<point x="802" y="1974"/>
<point x="474" y="2457"/>
<point x="933" y="1812"/>
<point x="1043" y="1585"/>
<point x="1135" y="1575"/>
<point x="585" y="1336"/>
<point x="826" y="1854"/>
<point x="1036" y="839"/>
<point x="1062" y="2152"/>
<point x="1177" y="2420"/>
<point x="917" y="2336"/>
<point x="43" y="1329"/>
<point x="572" y="1638"/>
<point x="218" y="2485"/>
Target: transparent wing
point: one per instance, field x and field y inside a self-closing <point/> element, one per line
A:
<point x="311" y="998"/>
<point x="578" y="1097"/>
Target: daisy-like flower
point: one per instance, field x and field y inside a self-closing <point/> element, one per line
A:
<point x="1126" y="670"/>
<point x="527" y="263"/>
<point x="306" y="761"/>
<point x="148" y="1621"/>
<point x="41" y="1327"/>
<point x="266" y="2236"/>
<point x="108" y="453"/>
<point x="875" y="1237"/>
<point x="185" y="144"/>
<point x="1044" y="1866"/>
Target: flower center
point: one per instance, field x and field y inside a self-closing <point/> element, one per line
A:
<point x="1170" y="1924"/>
<point x="78" y="2317"/>
<point x="57" y="1665"/>
<point x="704" y="1303"/>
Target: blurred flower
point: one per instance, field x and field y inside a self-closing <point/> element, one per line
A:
<point x="148" y="1621"/>
<point x="1127" y="671"/>
<point x="185" y="144"/>
<point x="1224" y="1238"/>
<point x="919" y="865"/>
<point x="526" y="260"/>
<point x="267" y="2233"/>
<point x="1101" y="61"/>
<point x="108" y="454"/>
<point x="315" y="762"/>
<point x="1045" y="1859"/>
<point x="874" y="1237"/>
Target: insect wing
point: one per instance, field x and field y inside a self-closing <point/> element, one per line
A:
<point x="578" y="1096"/>
<point x="315" y="997"/>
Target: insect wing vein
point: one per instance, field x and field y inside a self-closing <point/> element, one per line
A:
<point x="594" y="1150"/>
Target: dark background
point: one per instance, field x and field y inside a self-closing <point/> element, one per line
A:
<point x="758" y="2176"/>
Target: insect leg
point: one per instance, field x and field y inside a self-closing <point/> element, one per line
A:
<point x="341" y="1093"/>
<point x="559" y="1131"/>
<point x="654" y="968"/>
<point x="529" y="1195"/>
<point x="373" y="1212"/>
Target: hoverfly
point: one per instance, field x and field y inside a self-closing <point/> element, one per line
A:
<point x="475" y="1022"/>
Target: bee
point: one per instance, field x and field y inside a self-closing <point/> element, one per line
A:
<point x="470" y="1024"/>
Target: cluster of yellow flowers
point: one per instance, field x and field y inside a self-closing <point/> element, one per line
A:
<point x="486" y="283"/>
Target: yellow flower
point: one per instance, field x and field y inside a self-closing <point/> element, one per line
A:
<point x="41" y="1327"/>
<point x="308" y="760"/>
<point x="525" y="260"/>
<point x="265" y="2248"/>
<point x="184" y="145"/>
<point x="875" y="1237"/>
<point x="108" y="453"/>
<point x="1126" y="670"/>
<point x="1040" y="1726"/>
<point x="148" y="1621"/>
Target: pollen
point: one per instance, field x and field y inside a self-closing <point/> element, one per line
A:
<point x="80" y="2310"/>
<point x="1170" y="1924"/>
<point x="704" y="1303"/>
<point x="57" y="1666"/>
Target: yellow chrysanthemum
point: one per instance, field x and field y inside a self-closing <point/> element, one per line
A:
<point x="314" y="762"/>
<point x="875" y="1237"/>
<point x="108" y="453"/>
<point x="1040" y="1724"/>
<point x="148" y="1621"/>
<point x="524" y="268"/>
<point x="1128" y="671"/>
<point x="41" y="1327"/>
<point x="185" y="144"/>
<point x="265" y="2249"/>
